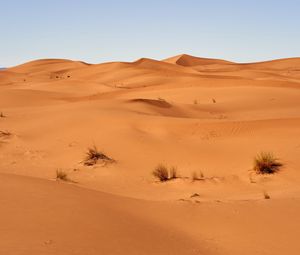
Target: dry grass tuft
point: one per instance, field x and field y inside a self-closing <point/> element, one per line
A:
<point x="161" y="173"/>
<point x="61" y="175"/>
<point x="93" y="155"/>
<point x="266" y="163"/>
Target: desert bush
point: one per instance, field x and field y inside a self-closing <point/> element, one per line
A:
<point x="93" y="155"/>
<point x="61" y="175"/>
<point x="2" y="115"/>
<point x="266" y="163"/>
<point x="161" y="173"/>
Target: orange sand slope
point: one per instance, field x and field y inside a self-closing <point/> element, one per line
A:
<point x="207" y="117"/>
<point x="42" y="217"/>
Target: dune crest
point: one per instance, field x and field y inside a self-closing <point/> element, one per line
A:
<point x="188" y="60"/>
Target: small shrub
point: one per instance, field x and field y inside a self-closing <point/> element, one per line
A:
<point x="93" y="155"/>
<point x="61" y="175"/>
<point x="161" y="173"/>
<point x="214" y="100"/>
<point x="195" y="101"/>
<point x="2" y="115"/>
<point x="266" y="163"/>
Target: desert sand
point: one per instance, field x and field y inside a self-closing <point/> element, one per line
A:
<point x="207" y="117"/>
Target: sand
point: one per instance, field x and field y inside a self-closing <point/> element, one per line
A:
<point x="206" y="117"/>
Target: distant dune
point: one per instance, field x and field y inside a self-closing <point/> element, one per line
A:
<point x="187" y="60"/>
<point x="148" y="72"/>
<point x="202" y="120"/>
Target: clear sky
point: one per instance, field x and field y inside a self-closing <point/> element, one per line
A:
<point x="124" y="30"/>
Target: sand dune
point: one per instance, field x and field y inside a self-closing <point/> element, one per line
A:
<point x="206" y="117"/>
<point x="187" y="60"/>
<point x="275" y="69"/>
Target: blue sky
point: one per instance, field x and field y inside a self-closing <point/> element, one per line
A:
<point x="125" y="30"/>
